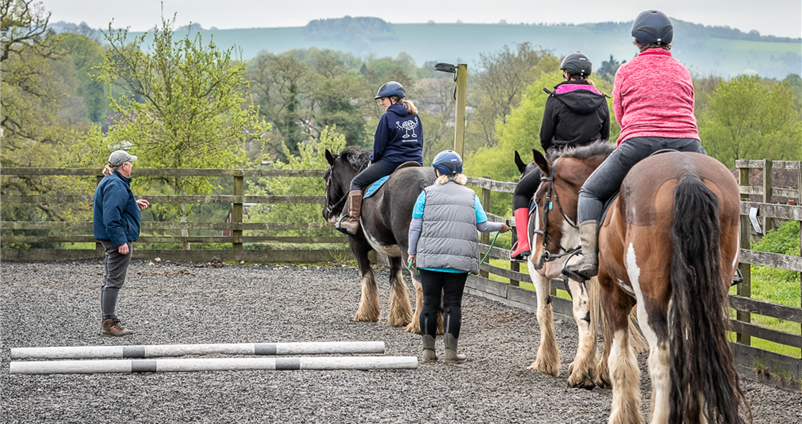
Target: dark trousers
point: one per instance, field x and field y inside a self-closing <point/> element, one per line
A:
<point x="525" y="189"/>
<point x="115" y="266"/>
<point x="370" y="175"/>
<point x="606" y="180"/>
<point x="445" y="288"/>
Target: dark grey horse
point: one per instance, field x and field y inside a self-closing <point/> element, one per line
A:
<point x="384" y="227"/>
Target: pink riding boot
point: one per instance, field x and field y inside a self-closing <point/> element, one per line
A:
<point x="520" y="249"/>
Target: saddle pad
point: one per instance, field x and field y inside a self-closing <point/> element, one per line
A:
<point x="373" y="188"/>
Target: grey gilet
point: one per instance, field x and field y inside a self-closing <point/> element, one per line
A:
<point x="449" y="237"/>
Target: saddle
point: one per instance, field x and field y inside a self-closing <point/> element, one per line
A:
<point x="373" y="188"/>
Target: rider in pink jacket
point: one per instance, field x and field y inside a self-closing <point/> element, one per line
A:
<point x="653" y="103"/>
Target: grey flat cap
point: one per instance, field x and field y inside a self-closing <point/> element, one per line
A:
<point x="119" y="157"/>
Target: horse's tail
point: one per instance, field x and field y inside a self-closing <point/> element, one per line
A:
<point x="704" y="379"/>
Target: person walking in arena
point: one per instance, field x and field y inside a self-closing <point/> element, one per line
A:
<point x="653" y="101"/>
<point x="576" y="114"/>
<point x="443" y="246"/>
<point x="116" y="226"/>
<point x="398" y="139"/>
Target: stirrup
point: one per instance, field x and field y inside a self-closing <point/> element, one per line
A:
<point x="338" y="225"/>
<point x="571" y="273"/>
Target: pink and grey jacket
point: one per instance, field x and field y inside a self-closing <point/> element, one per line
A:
<point x="653" y="97"/>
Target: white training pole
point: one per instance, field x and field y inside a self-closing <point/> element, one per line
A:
<point x="216" y="364"/>
<point x="151" y="351"/>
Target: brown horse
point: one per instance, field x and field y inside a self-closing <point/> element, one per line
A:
<point x="669" y="245"/>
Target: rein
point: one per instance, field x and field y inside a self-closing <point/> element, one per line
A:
<point x="330" y="207"/>
<point x="549" y="205"/>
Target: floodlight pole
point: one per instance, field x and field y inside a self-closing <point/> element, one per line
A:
<point x="462" y="89"/>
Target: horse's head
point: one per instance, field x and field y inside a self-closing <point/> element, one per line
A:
<point x="342" y="169"/>
<point x="556" y="234"/>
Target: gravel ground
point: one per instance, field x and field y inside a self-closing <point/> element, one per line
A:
<point x="57" y="304"/>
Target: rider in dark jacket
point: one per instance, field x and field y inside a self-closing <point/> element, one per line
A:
<point x="576" y="114"/>
<point x="398" y="139"/>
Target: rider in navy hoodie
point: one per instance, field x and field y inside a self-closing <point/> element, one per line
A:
<point x="398" y="139"/>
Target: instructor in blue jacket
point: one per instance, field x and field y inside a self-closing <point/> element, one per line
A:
<point x="116" y="225"/>
<point x="398" y="139"/>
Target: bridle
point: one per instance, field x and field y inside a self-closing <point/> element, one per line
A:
<point x="548" y="205"/>
<point x="330" y="172"/>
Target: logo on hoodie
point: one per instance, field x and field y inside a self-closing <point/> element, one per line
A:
<point x="407" y="126"/>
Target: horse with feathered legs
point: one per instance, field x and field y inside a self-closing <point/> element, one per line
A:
<point x="668" y="245"/>
<point x="383" y="227"/>
<point x="586" y="310"/>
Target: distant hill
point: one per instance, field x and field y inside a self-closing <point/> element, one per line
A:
<point x="705" y="50"/>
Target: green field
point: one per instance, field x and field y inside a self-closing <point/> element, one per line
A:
<point x="464" y="42"/>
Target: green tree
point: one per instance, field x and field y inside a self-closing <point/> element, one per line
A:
<point x="500" y="82"/>
<point x="521" y="132"/>
<point x="310" y="156"/>
<point x="87" y="54"/>
<point x="749" y="117"/>
<point x="195" y="113"/>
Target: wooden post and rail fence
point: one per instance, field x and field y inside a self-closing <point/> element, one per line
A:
<point x="272" y="248"/>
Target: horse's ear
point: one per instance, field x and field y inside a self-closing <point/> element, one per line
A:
<point x="519" y="163"/>
<point x="541" y="162"/>
<point x="330" y="158"/>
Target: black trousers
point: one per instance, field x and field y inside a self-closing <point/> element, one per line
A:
<point x="370" y="175"/>
<point x="605" y="181"/>
<point x="525" y="189"/>
<point x="445" y="288"/>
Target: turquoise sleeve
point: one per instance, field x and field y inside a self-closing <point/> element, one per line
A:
<point x="481" y="216"/>
<point x="417" y="211"/>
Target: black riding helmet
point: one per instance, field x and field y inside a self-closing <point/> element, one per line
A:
<point x="652" y="27"/>
<point x="577" y="63"/>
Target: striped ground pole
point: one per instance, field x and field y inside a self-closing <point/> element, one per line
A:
<point x="153" y="351"/>
<point x="215" y="364"/>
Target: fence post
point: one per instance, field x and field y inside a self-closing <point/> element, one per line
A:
<point x="514" y="266"/>
<point x="236" y="210"/>
<point x="486" y="192"/>
<point x="768" y="223"/>
<point x="98" y="178"/>
<point x="745" y="288"/>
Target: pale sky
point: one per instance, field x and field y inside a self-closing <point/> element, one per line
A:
<point x="781" y="18"/>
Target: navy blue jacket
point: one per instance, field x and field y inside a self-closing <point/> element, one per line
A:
<point x="399" y="138"/>
<point x="116" y="212"/>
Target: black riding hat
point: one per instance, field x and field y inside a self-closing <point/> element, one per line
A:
<point x="652" y="27"/>
<point x="577" y="63"/>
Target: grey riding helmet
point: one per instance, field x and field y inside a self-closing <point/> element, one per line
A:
<point x="391" y="88"/>
<point x="652" y="27"/>
<point x="577" y="63"/>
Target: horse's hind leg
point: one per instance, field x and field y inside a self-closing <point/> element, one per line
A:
<point x="653" y="323"/>
<point x="583" y="369"/>
<point x="400" y="308"/>
<point x="548" y="357"/>
<point x="623" y="362"/>
<point x="369" y="310"/>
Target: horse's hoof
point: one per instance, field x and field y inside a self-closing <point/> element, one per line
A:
<point x="365" y="318"/>
<point x="581" y="381"/>
<point x="604" y="383"/>
<point x="543" y="368"/>
<point x="399" y="322"/>
<point x="412" y="328"/>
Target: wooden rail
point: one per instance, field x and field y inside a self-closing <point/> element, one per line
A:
<point x="507" y="293"/>
<point x="264" y="247"/>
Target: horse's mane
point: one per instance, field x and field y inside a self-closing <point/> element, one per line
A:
<point x="355" y="157"/>
<point x="599" y="148"/>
